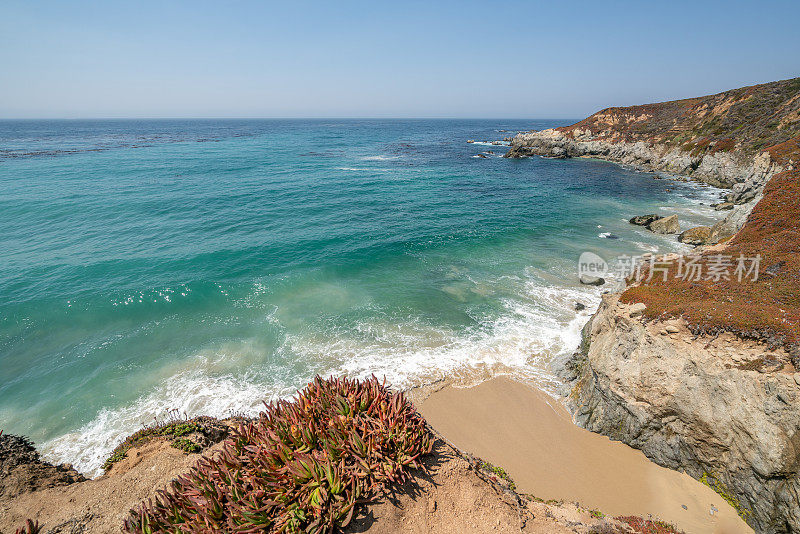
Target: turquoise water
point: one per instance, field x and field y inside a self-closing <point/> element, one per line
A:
<point x="208" y="265"/>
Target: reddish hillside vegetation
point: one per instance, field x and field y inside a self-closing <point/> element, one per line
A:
<point x="768" y="307"/>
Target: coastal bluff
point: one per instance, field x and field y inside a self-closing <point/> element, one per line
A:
<point x="455" y="492"/>
<point x="723" y="409"/>
<point x="702" y="375"/>
<point x="723" y="140"/>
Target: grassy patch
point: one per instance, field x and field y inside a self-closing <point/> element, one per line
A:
<point x="499" y="472"/>
<point x="597" y="514"/>
<point x="713" y="482"/>
<point x="173" y="429"/>
<point x="186" y="445"/>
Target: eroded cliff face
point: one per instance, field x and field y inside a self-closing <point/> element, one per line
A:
<point x="745" y="175"/>
<point x="722" y="139"/>
<point x="723" y="409"/>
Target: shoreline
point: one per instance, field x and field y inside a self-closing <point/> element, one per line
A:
<point x="551" y="454"/>
<point x="552" y="385"/>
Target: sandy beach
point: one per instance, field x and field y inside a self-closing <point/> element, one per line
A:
<point x="532" y="436"/>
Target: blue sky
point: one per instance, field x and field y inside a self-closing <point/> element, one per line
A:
<point x="382" y="59"/>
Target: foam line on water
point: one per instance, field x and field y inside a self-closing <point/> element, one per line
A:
<point x="535" y="328"/>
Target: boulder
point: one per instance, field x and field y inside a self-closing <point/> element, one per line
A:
<point x="644" y="220"/>
<point x="698" y="235"/>
<point x="592" y="280"/>
<point x="723" y="206"/>
<point x="665" y="225"/>
<point x="637" y="309"/>
<point x="732" y="223"/>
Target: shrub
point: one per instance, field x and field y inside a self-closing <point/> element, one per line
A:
<point x="648" y="526"/>
<point x="302" y="465"/>
<point x="499" y="472"/>
<point x="29" y="528"/>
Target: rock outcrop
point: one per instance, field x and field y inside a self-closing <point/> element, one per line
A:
<point x="722" y="409"/>
<point x="721" y="139"/>
<point x="23" y="471"/>
<point x="719" y="400"/>
<point x="699" y="235"/>
<point x="745" y="176"/>
<point x="644" y="220"/>
<point x="665" y="225"/>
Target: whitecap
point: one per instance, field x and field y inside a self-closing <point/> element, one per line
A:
<point x="380" y="157"/>
<point x="491" y="143"/>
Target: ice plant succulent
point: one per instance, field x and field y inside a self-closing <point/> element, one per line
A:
<point x="302" y="466"/>
<point x="30" y="527"/>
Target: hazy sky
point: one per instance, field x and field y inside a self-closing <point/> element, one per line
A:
<point x="554" y="59"/>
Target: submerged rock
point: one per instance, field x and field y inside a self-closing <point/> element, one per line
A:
<point x="665" y="225"/>
<point x="592" y="280"/>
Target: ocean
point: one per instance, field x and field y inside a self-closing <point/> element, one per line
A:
<point x="205" y="266"/>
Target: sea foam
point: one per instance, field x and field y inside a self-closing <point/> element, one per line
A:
<point x="536" y="328"/>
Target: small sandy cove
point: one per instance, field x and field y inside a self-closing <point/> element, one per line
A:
<point x="532" y="436"/>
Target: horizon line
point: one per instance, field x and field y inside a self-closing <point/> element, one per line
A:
<point x="278" y="118"/>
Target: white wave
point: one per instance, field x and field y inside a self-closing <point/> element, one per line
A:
<point x="380" y="157"/>
<point x="490" y="143"/>
<point x="537" y="326"/>
<point x="192" y="392"/>
<point x="646" y="247"/>
<point x="521" y="342"/>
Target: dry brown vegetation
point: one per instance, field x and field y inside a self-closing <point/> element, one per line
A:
<point x="745" y="122"/>
<point x="752" y="118"/>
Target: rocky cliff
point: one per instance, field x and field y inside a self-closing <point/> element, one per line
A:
<point x="722" y="409"/>
<point x="720" y="139"/>
<point x="701" y="373"/>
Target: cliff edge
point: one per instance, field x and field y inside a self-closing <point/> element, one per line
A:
<point x="700" y="372"/>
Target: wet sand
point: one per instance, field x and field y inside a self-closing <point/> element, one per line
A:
<point x="532" y="436"/>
